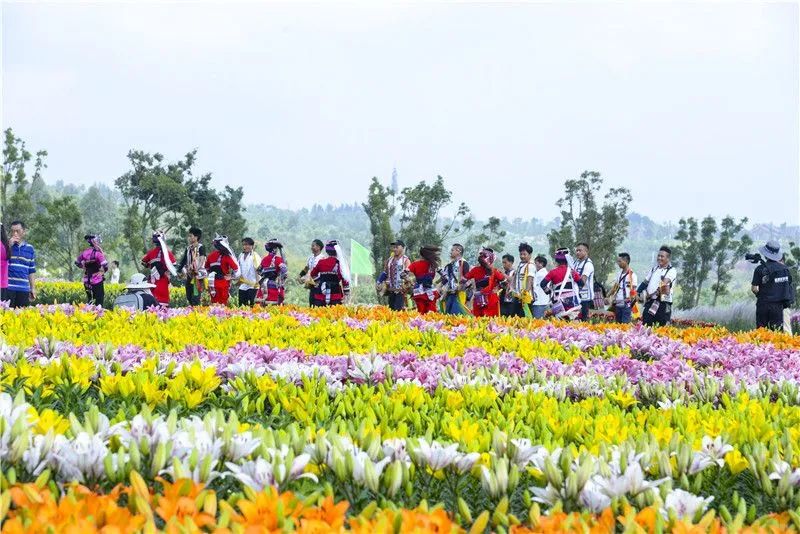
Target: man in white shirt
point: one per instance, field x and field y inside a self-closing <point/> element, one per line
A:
<point x="523" y="282"/>
<point x="624" y="291"/>
<point x="317" y="253"/>
<point x="249" y="262"/>
<point x="541" y="300"/>
<point x="657" y="290"/>
<point x="585" y="268"/>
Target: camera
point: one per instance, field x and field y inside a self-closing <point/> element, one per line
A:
<point x="754" y="258"/>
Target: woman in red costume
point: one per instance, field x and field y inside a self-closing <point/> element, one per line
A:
<point x="485" y="302"/>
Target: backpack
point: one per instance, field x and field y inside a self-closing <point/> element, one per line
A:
<point x="129" y="300"/>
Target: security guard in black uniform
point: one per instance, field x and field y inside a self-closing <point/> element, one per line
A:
<point x="772" y="285"/>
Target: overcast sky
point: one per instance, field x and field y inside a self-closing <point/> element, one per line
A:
<point x="693" y="107"/>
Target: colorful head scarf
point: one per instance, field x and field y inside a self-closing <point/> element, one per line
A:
<point x="486" y="257"/>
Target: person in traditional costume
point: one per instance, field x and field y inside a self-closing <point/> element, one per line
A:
<point x="317" y="253"/>
<point x="273" y="271"/>
<point x="192" y="267"/>
<point x="331" y="275"/>
<point x="391" y="281"/>
<point x="94" y="265"/>
<point x="522" y="282"/>
<point x="222" y="267"/>
<point x="486" y="279"/>
<point x="453" y="280"/>
<point x="562" y="283"/>
<point x="424" y="270"/>
<point x="249" y="264"/>
<point x="161" y="263"/>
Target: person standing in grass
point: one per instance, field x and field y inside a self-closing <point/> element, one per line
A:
<point x="222" y="267"/>
<point x="623" y="293"/>
<point x="486" y="279"/>
<point x="507" y="308"/>
<point x="94" y="265"/>
<point x="317" y="253"/>
<point x="657" y="290"/>
<point x="583" y="265"/>
<point x="424" y="271"/>
<point x="161" y="263"/>
<point x="272" y="271"/>
<point x="21" y="268"/>
<point x="391" y="279"/>
<point x="249" y="263"/>
<point x="453" y="278"/>
<point x="192" y="266"/>
<point x="331" y="276"/>
<point x="541" y="301"/>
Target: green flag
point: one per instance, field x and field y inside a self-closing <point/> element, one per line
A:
<point x="360" y="262"/>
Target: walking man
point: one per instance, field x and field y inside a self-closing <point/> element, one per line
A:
<point x="657" y="290"/>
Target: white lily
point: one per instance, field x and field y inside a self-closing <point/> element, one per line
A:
<point x="685" y="505"/>
<point x="593" y="498"/>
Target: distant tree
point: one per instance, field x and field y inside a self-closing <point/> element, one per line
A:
<point x="100" y="212"/>
<point x="792" y="260"/>
<point x="603" y="227"/>
<point x="491" y="235"/>
<point x="16" y="201"/>
<point x="420" y="208"/>
<point x="380" y="209"/>
<point x="705" y="249"/>
<point x="58" y="236"/>
<point x="730" y="248"/>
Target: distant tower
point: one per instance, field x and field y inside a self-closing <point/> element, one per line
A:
<point x="394" y="181"/>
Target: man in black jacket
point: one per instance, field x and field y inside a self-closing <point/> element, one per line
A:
<point x="772" y="286"/>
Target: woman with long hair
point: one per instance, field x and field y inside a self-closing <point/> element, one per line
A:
<point x="5" y="254"/>
<point x="424" y="271"/>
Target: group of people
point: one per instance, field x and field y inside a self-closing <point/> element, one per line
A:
<point x="259" y="280"/>
<point x="524" y="288"/>
<point x="527" y="288"/>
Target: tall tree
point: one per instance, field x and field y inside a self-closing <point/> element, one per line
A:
<point x="420" y="208"/>
<point x="155" y="197"/>
<point x="101" y="215"/>
<point x="686" y="254"/>
<point x="16" y="201"/>
<point x="57" y="232"/>
<point x="491" y="235"/>
<point x="730" y="248"/>
<point x="231" y="221"/>
<point x="380" y="209"/>
<point x="707" y="249"/>
<point x="603" y="227"/>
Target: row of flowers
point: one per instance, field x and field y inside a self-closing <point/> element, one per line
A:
<point x="467" y="406"/>
<point x="363" y="465"/>
<point x="342" y="331"/>
<point x="186" y="506"/>
<point x="686" y="372"/>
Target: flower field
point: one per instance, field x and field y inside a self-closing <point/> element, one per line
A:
<point x="366" y="420"/>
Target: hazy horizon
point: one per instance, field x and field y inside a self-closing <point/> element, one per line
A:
<point x="694" y="107"/>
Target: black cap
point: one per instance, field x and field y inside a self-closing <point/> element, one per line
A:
<point x="398" y="242"/>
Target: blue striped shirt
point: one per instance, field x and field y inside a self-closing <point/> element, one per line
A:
<point x="21" y="265"/>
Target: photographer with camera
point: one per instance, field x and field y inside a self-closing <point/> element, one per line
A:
<point x="772" y="286"/>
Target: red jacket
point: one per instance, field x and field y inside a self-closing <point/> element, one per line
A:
<point x="221" y="265"/>
<point x="331" y="287"/>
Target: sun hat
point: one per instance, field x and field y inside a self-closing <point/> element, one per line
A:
<point x="772" y="251"/>
<point x="138" y="281"/>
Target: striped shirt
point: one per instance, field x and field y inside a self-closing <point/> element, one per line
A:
<point x="20" y="266"/>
